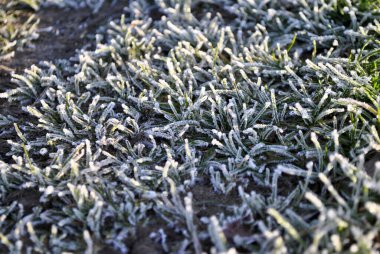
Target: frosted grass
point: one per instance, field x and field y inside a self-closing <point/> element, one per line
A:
<point x="274" y="110"/>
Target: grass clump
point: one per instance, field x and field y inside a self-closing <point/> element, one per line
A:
<point x="17" y="26"/>
<point x="253" y="134"/>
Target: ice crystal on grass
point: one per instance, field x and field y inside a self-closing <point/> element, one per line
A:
<point x="276" y="110"/>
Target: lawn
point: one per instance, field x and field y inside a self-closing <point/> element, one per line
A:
<point x="189" y="126"/>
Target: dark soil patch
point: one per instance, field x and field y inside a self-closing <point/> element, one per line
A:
<point x="370" y="164"/>
<point x="28" y="198"/>
<point x="143" y="243"/>
<point x="207" y="202"/>
<point x="201" y="8"/>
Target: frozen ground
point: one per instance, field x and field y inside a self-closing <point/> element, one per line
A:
<point x="190" y="127"/>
